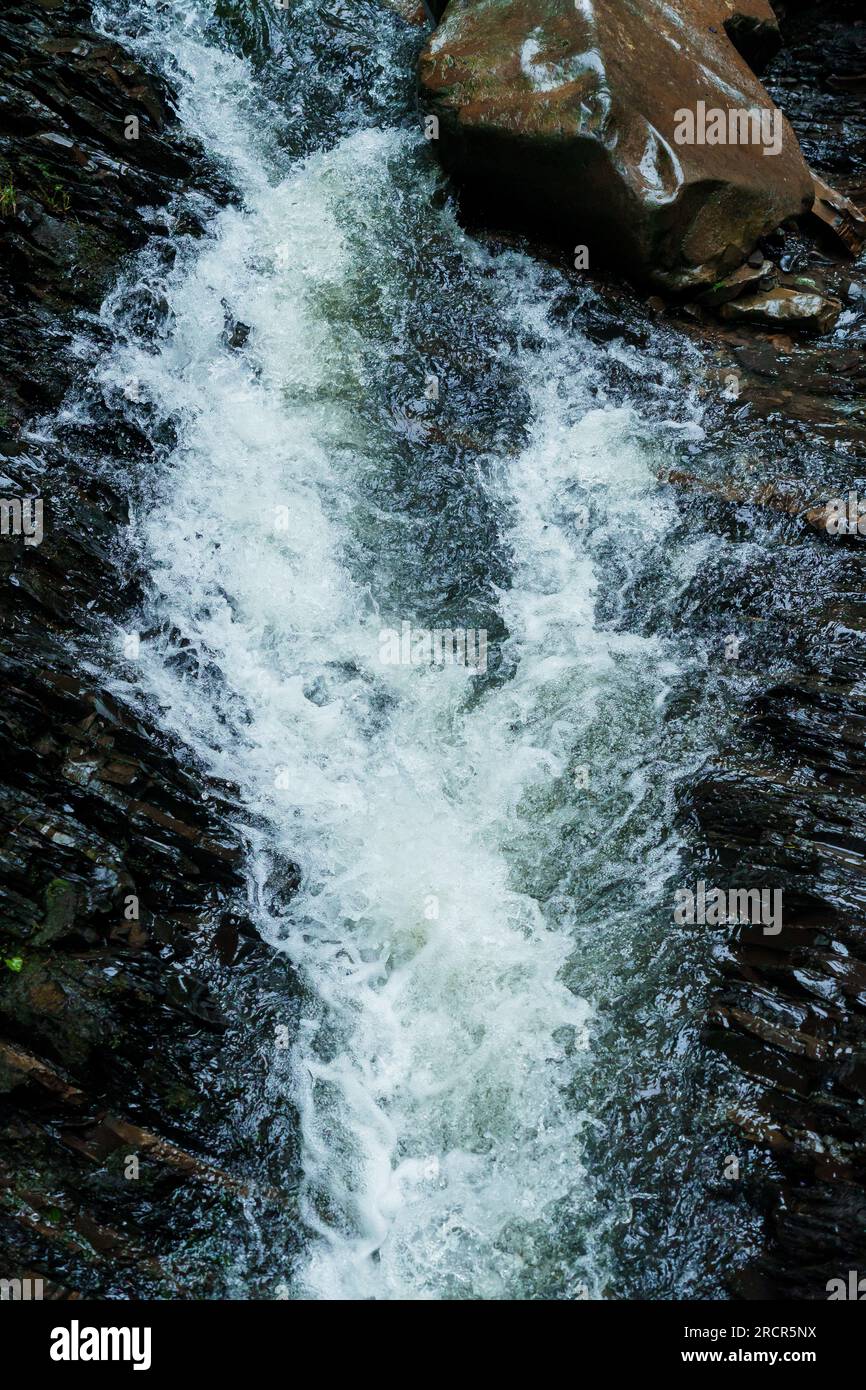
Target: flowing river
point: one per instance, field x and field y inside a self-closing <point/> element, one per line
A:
<point x="495" y="1064"/>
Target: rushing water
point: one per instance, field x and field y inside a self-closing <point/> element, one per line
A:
<point x="495" y="1069"/>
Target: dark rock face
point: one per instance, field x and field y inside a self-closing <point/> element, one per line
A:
<point x="566" y="120"/>
<point x="788" y="803"/>
<point x="791" y="1013"/>
<point x="755" y="35"/>
<point x="119" y="872"/>
<point x="83" y="149"/>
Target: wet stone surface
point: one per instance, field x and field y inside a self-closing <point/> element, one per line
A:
<point x="123" y="938"/>
<point x="788" y="804"/>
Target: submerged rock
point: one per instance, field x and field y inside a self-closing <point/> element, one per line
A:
<point x="640" y="133"/>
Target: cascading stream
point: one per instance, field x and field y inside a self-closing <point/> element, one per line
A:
<point x="485" y="859"/>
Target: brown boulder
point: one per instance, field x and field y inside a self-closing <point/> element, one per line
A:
<point x="565" y="118"/>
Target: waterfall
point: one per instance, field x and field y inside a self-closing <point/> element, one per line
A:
<point x="418" y="430"/>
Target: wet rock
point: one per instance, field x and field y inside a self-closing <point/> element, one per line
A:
<point x="784" y="307"/>
<point x="20" y="1068"/>
<point x="111" y="1134"/>
<point x="787" y="799"/>
<point x="789" y="498"/>
<point x="117" y="860"/>
<point x="414" y="11"/>
<point x="790" y="1012"/>
<point x="837" y="215"/>
<point x="847" y="83"/>
<point x="235" y="333"/>
<point x="88" y="143"/>
<point x="567" y="123"/>
<point x="754" y="32"/>
<point x="756" y="274"/>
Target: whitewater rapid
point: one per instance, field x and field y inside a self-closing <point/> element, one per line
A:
<point x="477" y="853"/>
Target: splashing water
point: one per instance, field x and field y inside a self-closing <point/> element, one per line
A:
<point x="485" y="858"/>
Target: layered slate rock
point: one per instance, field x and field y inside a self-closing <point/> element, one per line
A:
<point x="121" y="939"/>
<point x="787" y="800"/>
<point x="561" y="117"/>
